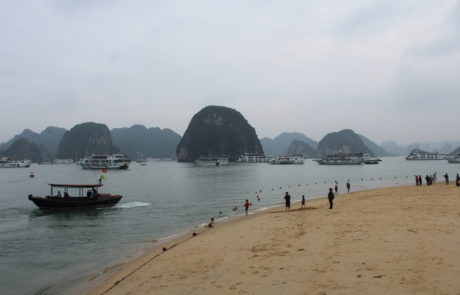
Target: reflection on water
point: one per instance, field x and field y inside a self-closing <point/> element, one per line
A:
<point x="64" y="248"/>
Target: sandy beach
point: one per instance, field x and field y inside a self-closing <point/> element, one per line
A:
<point x="402" y="240"/>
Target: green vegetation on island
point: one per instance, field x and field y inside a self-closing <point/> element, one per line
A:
<point x="137" y="142"/>
<point x="86" y="139"/>
<point x="218" y="131"/>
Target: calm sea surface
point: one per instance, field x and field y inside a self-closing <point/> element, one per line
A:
<point x="60" y="251"/>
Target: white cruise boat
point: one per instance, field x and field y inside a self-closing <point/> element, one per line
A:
<point x="417" y="154"/>
<point x="341" y="159"/>
<point x="453" y="159"/>
<point x="212" y="161"/>
<point x="253" y="158"/>
<point x="7" y="163"/>
<point x="114" y="161"/>
<point x="283" y="160"/>
<point x="368" y="159"/>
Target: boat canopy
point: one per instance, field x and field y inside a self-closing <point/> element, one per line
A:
<point x="75" y="185"/>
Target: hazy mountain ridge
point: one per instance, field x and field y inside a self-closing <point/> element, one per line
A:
<point x="22" y="149"/>
<point x="443" y="147"/>
<point x="218" y="131"/>
<point x="47" y="141"/>
<point x="299" y="147"/>
<point x="375" y="148"/>
<point x="139" y="141"/>
<point x="280" y="144"/>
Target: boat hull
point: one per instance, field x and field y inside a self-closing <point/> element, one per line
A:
<point x="339" y="163"/>
<point x="101" y="200"/>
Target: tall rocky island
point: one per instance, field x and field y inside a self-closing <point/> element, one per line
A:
<point x="342" y="141"/>
<point x="218" y="131"/>
<point x="86" y="139"/>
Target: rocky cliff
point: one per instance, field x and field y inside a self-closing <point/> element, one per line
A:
<point x="22" y="149"/>
<point x="86" y="139"/>
<point x="342" y="141"/>
<point x="218" y="131"/>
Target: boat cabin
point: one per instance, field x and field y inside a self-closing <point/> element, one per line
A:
<point x="84" y="190"/>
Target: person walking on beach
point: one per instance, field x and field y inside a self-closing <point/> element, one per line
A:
<point x="348" y="186"/>
<point x="246" y="206"/>
<point x="303" y="201"/>
<point x="457" y="180"/>
<point x="331" y="197"/>
<point x="336" y="188"/>
<point x="420" y="180"/>
<point x="287" y="198"/>
<point x="416" y="180"/>
<point x="446" y="177"/>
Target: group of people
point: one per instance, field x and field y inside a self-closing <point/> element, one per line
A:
<point x="429" y="179"/>
<point x="287" y="199"/>
<point x="330" y="197"/>
<point x="66" y="195"/>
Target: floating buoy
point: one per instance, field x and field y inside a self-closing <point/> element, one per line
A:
<point x="31" y="175"/>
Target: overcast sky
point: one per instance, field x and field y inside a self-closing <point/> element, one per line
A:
<point x="387" y="69"/>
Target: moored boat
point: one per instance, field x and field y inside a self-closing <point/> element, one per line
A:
<point x="253" y="158"/>
<point x="5" y="162"/>
<point x="80" y="199"/>
<point x="453" y="159"/>
<point x="341" y="159"/>
<point x="212" y="161"/>
<point x="114" y="161"/>
<point x="368" y="159"/>
<point x="287" y="160"/>
<point x="417" y="154"/>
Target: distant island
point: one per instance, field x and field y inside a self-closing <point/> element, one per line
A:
<point x="218" y="131"/>
<point x="213" y="131"/>
<point x="86" y="139"/>
<point x="139" y="141"/>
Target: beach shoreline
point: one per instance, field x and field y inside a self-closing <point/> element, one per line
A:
<point x="181" y="252"/>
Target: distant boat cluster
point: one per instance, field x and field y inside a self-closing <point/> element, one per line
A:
<point x="5" y="162"/>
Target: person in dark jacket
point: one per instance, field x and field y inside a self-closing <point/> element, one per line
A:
<point x="287" y="198"/>
<point x="331" y="197"/>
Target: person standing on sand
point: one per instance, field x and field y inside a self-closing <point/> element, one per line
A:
<point x="420" y="180"/>
<point x="336" y="188"/>
<point x="416" y="180"/>
<point x="246" y="206"/>
<point x="446" y="177"/>
<point x="348" y="186"/>
<point x="303" y="201"/>
<point x="457" y="180"/>
<point x="287" y="198"/>
<point x="331" y="197"/>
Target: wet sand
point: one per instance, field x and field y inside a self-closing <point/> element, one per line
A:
<point x="402" y="240"/>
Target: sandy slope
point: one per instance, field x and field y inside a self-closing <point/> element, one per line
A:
<point x="403" y="240"/>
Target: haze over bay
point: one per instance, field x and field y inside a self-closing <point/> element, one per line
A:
<point x="384" y="69"/>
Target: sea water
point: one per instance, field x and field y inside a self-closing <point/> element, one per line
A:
<point x="54" y="252"/>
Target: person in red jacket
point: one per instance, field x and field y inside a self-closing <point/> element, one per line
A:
<point x="246" y="206"/>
